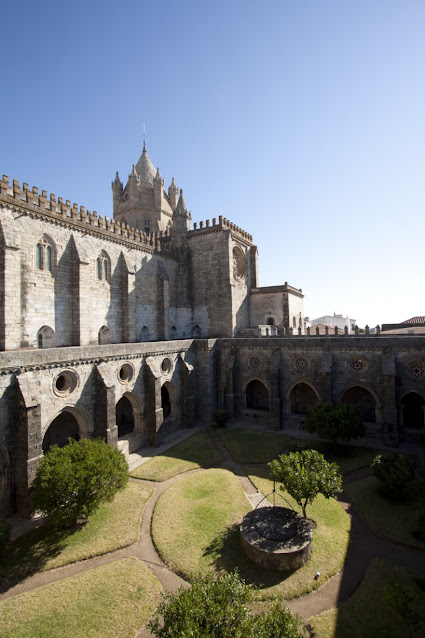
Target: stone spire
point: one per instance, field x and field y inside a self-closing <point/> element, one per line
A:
<point x="145" y="169"/>
<point x="181" y="208"/>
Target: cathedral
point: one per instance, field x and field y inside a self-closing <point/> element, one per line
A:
<point x="132" y="327"/>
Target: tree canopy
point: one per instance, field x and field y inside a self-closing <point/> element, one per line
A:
<point x="72" y="481"/>
<point x="306" y="474"/>
<point x="395" y="472"/>
<point x="219" y="609"/>
<point x="341" y="422"/>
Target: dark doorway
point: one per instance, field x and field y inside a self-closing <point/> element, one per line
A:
<point x="412" y="410"/>
<point x="257" y="396"/>
<point x="363" y="401"/>
<point x="62" y="428"/>
<point x="303" y="398"/>
<point x="165" y="402"/>
<point x="124" y="416"/>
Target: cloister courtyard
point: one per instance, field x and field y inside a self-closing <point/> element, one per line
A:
<point x="179" y="517"/>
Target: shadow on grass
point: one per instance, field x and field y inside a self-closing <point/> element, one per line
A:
<point x="29" y="553"/>
<point x="225" y="554"/>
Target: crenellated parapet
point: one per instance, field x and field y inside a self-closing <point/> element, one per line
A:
<point x="39" y="203"/>
<point x="222" y="224"/>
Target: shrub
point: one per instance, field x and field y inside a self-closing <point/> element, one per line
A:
<point x="305" y="474"/>
<point x="341" y="422"/>
<point x="220" y="418"/>
<point x="395" y="473"/>
<point x="71" y="482"/>
<point x="5" y="533"/>
<point x="218" y="609"/>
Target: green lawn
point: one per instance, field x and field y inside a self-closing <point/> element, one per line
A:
<point x="251" y="447"/>
<point x="112" y="526"/>
<point x="113" y="601"/>
<point x="195" y="528"/>
<point x="395" y="520"/>
<point x="199" y="450"/>
<point x="364" y="614"/>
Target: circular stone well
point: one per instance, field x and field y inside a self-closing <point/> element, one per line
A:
<point x="276" y="538"/>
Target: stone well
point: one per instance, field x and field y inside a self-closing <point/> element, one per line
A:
<point x="276" y="538"/>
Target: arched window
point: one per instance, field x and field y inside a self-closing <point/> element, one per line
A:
<point x="49" y="258"/>
<point x="294" y="322"/>
<point x="270" y="321"/>
<point x="257" y="396"/>
<point x="45" y="254"/>
<point x="98" y="268"/>
<point x="62" y="428"/>
<point x="145" y="334"/>
<point x="103" y="267"/>
<point x="104" y="336"/>
<point x="124" y="417"/>
<point x="46" y="337"/>
<point x="363" y="401"/>
<point x="413" y="410"/>
<point x="39" y="256"/>
<point x="303" y="398"/>
<point x="165" y="402"/>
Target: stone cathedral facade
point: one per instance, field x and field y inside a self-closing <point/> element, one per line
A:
<point x="133" y="327"/>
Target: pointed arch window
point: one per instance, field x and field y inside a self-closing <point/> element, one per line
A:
<point x="103" y="267"/>
<point x="45" y="255"/>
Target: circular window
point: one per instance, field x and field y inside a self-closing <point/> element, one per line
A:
<point x="238" y="263"/>
<point x="65" y="383"/>
<point x="301" y="364"/>
<point x="357" y="365"/>
<point x="416" y="370"/>
<point x="125" y="373"/>
<point x="254" y="362"/>
<point x="166" y="366"/>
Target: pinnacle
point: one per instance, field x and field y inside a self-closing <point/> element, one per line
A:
<point x="145" y="169"/>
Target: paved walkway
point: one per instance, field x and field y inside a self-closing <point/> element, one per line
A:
<point x="364" y="547"/>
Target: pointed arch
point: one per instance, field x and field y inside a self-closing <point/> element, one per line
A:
<point x="303" y="397"/>
<point x="412" y="410"/>
<point x="104" y="336"/>
<point x="257" y="396"/>
<point x="45" y="337"/>
<point x="364" y="400"/>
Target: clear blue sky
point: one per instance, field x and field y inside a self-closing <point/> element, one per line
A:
<point x="302" y="121"/>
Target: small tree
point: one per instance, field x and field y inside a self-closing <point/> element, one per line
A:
<point x="395" y="472"/>
<point x="71" y="482"/>
<point x="401" y="602"/>
<point x="218" y="609"/>
<point x="306" y="474"/>
<point x="341" y="422"/>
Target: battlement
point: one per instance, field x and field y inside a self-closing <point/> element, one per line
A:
<point x="36" y="202"/>
<point x="223" y="224"/>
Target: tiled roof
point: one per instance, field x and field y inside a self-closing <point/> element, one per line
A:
<point x="415" y="320"/>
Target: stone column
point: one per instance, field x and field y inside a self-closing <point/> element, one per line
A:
<point x="29" y="443"/>
<point x="105" y="425"/>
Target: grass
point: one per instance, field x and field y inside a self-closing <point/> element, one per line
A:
<point x="199" y="450"/>
<point x="395" y="520"/>
<point x="249" y="447"/>
<point x="113" y="525"/>
<point x="252" y="447"/>
<point x="195" y="528"/>
<point x="113" y="601"/>
<point x="364" y="614"/>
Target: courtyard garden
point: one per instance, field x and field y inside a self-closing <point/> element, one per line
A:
<point x="199" y="504"/>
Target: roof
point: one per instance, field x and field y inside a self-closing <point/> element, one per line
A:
<point x="145" y="168"/>
<point x="415" y="320"/>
